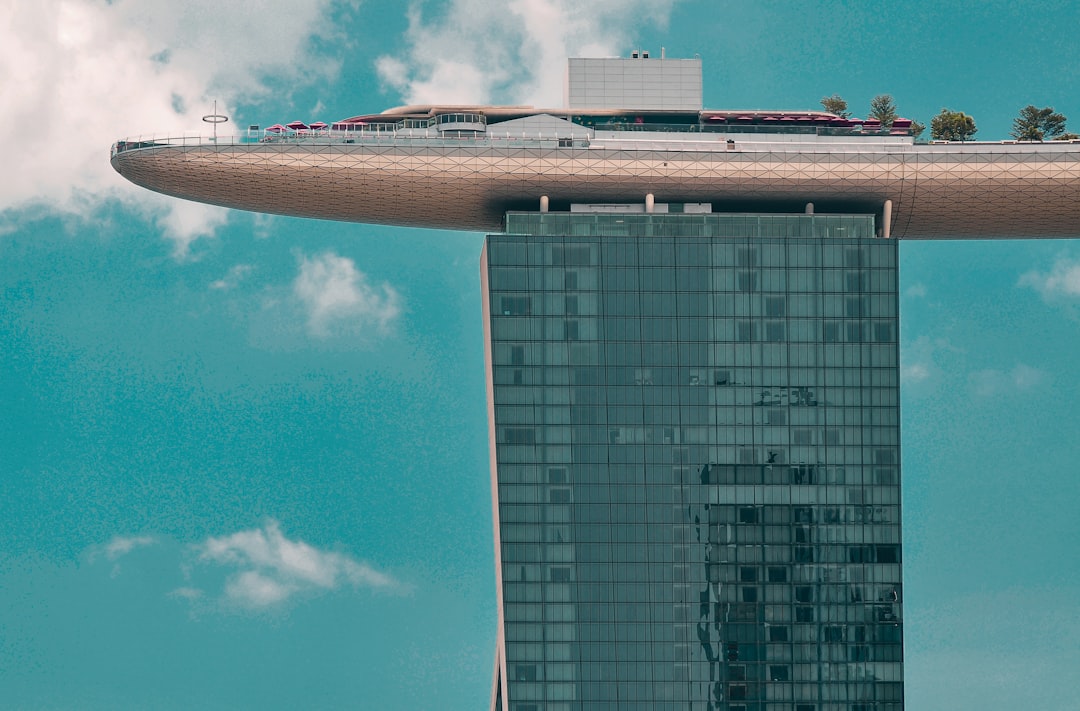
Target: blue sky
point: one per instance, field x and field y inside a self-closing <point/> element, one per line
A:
<point x="243" y="459"/>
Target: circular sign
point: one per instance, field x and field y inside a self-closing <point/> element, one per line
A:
<point x="215" y="118"/>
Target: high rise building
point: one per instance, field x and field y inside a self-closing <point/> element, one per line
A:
<point x="696" y="448"/>
<point x="691" y="329"/>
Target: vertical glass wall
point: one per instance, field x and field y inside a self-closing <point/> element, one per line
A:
<point x="697" y="444"/>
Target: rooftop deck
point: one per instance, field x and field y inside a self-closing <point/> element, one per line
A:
<point x="466" y="168"/>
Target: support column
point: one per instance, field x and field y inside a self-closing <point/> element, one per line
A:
<point x="650" y="203"/>
<point x="543" y="203"/>
<point x="886" y="219"/>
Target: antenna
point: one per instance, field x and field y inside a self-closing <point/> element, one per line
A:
<point x="214" y="119"/>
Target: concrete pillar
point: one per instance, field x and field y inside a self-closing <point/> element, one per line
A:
<point x="543" y="203"/>
<point x="650" y="203"/>
<point x="886" y="220"/>
<point x="809" y="208"/>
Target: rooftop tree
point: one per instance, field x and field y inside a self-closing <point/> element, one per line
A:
<point x="952" y="126"/>
<point x="883" y="108"/>
<point x="836" y="105"/>
<point x="1034" y="124"/>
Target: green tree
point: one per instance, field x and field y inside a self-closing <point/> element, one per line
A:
<point x="1067" y="137"/>
<point x="952" y="126"/>
<point x="1034" y="124"/>
<point x="883" y="108"/>
<point x="917" y="128"/>
<point x="836" y="105"/>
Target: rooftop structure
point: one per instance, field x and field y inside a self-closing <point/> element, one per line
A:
<point x="647" y="84"/>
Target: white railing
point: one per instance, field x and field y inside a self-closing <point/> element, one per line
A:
<point x="431" y="136"/>
<point x="330" y="137"/>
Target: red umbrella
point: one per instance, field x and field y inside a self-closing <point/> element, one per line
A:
<point x="318" y="125"/>
<point x="296" y="125"/>
<point x="276" y="128"/>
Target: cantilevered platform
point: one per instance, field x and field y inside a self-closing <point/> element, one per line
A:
<point x="469" y="176"/>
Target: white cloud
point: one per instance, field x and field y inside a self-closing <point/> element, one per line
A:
<point x="257" y="590"/>
<point x="335" y="293"/>
<point x="121" y="545"/>
<point x="1022" y="378"/>
<point x="513" y="52"/>
<point x="270" y="568"/>
<point x="1063" y="279"/>
<point x="915" y="291"/>
<point x="914" y="373"/>
<point x="261" y="223"/>
<point x="79" y="74"/>
<point x="185" y="221"/>
<point x="919" y="359"/>
<point x="233" y="278"/>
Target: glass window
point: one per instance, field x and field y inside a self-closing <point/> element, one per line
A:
<point x="747" y="281"/>
<point x="855" y="307"/>
<point x="778" y="633"/>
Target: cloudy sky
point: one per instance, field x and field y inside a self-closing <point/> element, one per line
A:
<point x="243" y="459"/>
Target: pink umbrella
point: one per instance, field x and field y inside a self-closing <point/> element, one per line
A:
<point x="296" y="125"/>
<point x="318" y="125"/>
<point x="276" y="128"/>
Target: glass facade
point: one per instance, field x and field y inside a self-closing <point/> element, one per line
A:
<point x="695" y="425"/>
